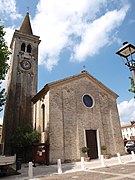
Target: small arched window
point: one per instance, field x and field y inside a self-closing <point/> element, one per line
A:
<point x="29" y="48"/>
<point x="23" y="47"/>
<point x="43" y="117"/>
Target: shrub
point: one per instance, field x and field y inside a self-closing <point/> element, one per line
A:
<point x="85" y="149"/>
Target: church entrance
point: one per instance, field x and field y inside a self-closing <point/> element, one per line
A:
<point x="91" y="142"/>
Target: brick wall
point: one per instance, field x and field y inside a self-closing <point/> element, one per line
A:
<point x="69" y="117"/>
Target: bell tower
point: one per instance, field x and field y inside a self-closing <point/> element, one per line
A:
<point x="22" y="81"/>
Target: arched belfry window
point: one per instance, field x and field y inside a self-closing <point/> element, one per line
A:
<point x="23" y="47"/>
<point x="43" y="117"/>
<point x="29" y="48"/>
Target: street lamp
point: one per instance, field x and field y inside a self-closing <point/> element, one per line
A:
<point x="127" y="52"/>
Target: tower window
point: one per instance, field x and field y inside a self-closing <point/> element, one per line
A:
<point x="23" y="47"/>
<point x="29" y="48"/>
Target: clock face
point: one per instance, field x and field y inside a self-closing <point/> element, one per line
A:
<point x="25" y="64"/>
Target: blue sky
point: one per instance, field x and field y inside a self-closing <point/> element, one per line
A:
<point x="75" y="33"/>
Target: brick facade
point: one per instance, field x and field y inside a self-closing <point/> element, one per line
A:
<point x="67" y="117"/>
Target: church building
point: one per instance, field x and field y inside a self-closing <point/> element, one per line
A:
<point x="70" y="113"/>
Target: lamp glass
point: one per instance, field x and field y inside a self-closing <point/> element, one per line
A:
<point x="126" y="50"/>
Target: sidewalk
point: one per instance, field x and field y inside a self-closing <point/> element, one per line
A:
<point x="42" y="170"/>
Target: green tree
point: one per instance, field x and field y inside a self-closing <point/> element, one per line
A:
<point x="23" y="138"/>
<point x="2" y="97"/>
<point x="132" y="89"/>
<point x="4" y="56"/>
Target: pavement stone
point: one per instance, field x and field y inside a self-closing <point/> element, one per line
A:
<point x="93" y="170"/>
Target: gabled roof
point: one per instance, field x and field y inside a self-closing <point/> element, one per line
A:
<point x="26" y="25"/>
<point x="127" y="126"/>
<point x="51" y="85"/>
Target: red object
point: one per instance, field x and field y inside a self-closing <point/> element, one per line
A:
<point x="41" y="153"/>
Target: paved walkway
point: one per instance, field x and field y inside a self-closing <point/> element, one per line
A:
<point x="42" y="171"/>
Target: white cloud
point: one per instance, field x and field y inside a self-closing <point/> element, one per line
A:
<point x="97" y="34"/>
<point x="127" y="111"/>
<point x="132" y="21"/>
<point x="9" y="34"/>
<point x="1" y="120"/>
<point x="83" y="26"/>
<point x="4" y="82"/>
<point x="8" y="9"/>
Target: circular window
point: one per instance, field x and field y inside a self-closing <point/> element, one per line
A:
<point x="88" y="101"/>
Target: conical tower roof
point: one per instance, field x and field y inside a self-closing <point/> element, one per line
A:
<point x="26" y="25"/>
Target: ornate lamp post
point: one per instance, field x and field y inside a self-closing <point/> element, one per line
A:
<point x="126" y="52"/>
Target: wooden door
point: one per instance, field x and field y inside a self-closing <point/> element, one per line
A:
<point x="91" y="140"/>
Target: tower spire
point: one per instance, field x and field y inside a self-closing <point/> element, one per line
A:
<point x="26" y="25"/>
